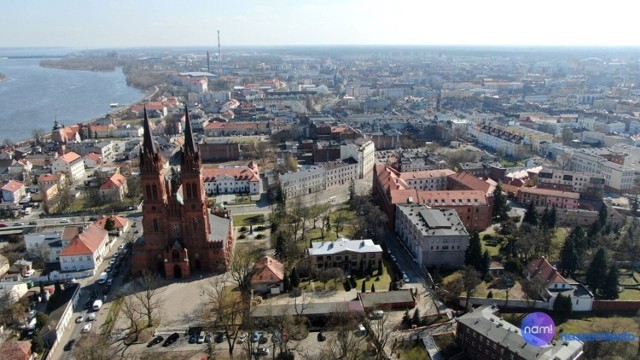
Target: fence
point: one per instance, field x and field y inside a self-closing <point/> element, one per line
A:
<point x="616" y="305"/>
<point x="512" y="304"/>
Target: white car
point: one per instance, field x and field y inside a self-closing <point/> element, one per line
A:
<point x="91" y="317"/>
<point x="242" y="338"/>
<point x="65" y="221"/>
<point x="80" y="318"/>
<point x="87" y="327"/>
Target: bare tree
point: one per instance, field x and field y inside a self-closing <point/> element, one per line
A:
<point x="93" y="346"/>
<point x="150" y="297"/>
<point x="39" y="254"/>
<point x="380" y="332"/>
<point x="470" y="279"/>
<point x="346" y="344"/>
<point x="38" y="135"/>
<point x="241" y="268"/>
<point x="532" y="289"/>
<point x="224" y="310"/>
<point x="134" y="313"/>
<point x="339" y="221"/>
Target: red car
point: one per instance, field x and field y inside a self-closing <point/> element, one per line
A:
<point x="3" y="225"/>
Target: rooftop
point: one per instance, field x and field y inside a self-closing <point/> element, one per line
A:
<point x="342" y="244"/>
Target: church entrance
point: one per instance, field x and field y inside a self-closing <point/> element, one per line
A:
<point x="177" y="272"/>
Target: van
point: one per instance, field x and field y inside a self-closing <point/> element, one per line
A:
<point x="27" y="211"/>
<point x="97" y="305"/>
<point x="103" y="278"/>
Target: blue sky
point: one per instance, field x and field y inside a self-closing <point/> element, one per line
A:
<point x="134" y="23"/>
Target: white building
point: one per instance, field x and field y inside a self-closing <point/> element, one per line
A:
<point x="581" y="298"/>
<point x="86" y="251"/>
<point x="340" y="172"/>
<point x="232" y="180"/>
<point x="427" y="179"/>
<point x="13" y="192"/>
<point x="70" y="164"/>
<point x="128" y="130"/>
<point x="362" y="151"/>
<point x="435" y="237"/>
<point x="570" y="181"/>
<point x="616" y="176"/>
<point x="303" y="182"/>
<point x="38" y="244"/>
<point x="14" y="290"/>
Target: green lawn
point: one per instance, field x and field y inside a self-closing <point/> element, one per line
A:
<point x="245" y="219"/>
<point x="381" y="285"/>
<point x="588" y="324"/>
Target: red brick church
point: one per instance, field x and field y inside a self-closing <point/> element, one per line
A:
<point x="180" y="235"/>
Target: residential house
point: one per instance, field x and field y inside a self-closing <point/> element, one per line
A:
<point x="340" y="172"/>
<point x="92" y="160"/>
<point x="4" y="265"/>
<point x="268" y="274"/>
<point x="555" y="283"/>
<point x="483" y="335"/>
<point x="435" y="237"/>
<point x="349" y="255"/>
<point x="50" y="185"/>
<point x="114" y="189"/>
<point x="120" y="224"/>
<point x="101" y="131"/>
<point x="20" y="167"/>
<point x="302" y="182"/>
<point x="70" y="164"/>
<point x="215" y="129"/>
<point x="44" y="243"/>
<point x="16" y="350"/>
<point x="86" y="251"/>
<point x="363" y="152"/>
<point x="13" y="192"/>
<point x="13" y="290"/>
<point x="128" y="130"/>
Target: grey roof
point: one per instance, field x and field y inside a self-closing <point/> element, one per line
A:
<point x="381" y="298"/>
<point x="483" y="321"/>
<point x="219" y="227"/>
<point x="324" y="308"/>
<point x="342" y="244"/>
<point x="433" y="221"/>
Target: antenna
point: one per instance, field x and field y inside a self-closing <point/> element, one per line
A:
<point x="208" y="62"/>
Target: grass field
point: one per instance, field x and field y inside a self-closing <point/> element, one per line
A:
<point x="381" y="285"/>
<point x="588" y="324"/>
<point x="246" y="219"/>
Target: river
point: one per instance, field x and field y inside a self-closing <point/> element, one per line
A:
<point x="33" y="97"/>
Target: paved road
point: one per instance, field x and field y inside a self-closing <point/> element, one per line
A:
<point x="88" y="285"/>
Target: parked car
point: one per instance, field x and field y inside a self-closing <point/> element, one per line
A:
<point x="87" y="327"/>
<point x="33" y="223"/>
<point x="276" y="338"/>
<point x="121" y="247"/>
<point x="220" y="337"/>
<point x="321" y="336"/>
<point x="64" y="221"/>
<point x="109" y="282"/>
<point x="201" y="337"/>
<point x="171" y="339"/>
<point x="155" y="340"/>
<point x="193" y="338"/>
<point x="207" y="338"/>
<point x="242" y="338"/>
<point x="69" y="345"/>
<point x="18" y="224"/>
<point x="255" y="337"/>
<point x="80" y="318"/>
<point x="106" y="290"/>
<point x="263" y="339"/>
<point x="91" y="317"/>
<point x="261" y="351"/>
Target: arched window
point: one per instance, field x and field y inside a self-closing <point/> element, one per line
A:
<point x="188" y="191"/>
<point x="154" y="192"/>
<point x="149" y="192"/>
<point x="194" y="191"/>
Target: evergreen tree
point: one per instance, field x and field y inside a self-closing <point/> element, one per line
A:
<point x="109" y="225"/>
<point x="286" y="284"/>
<point x="486" y="263"/>
<point x="352" y="189"/>
<point x="380" y="268"/>
<point x="610" y="286"/>
<point x="370" y="268"/>
<point x="406" y="320"/>
<point x="569" y="258"/>
<point x="347" y="285"/>
<point x="597" y="272"/>
<point x="416" y="317"/>
<point x="579" y="238"/>
<point x="552" y="218"/>
<point x="490" y="295"/>
<point x="531" y="216"/>
<point x="364" y="286"/>
<point x="294" y="278"/>
<point x="562" y="305"/>
<point x="544" y="219"/>
<point x="473" y="254"/>
<point x="500" y="207"/>
<point x="602" y="215"/>
<point x="361" y="271"/>
<point x="373" y="287"/>
<point x="436" y="276"/>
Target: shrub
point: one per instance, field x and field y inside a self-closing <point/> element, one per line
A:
<point x="353" y="282"/>
<point x="242" y="236"/>
<point x="244" y="228"/>
<point x="260" y="236"/>
<point x="347" y="286"/>
<point x="260" y="228"/>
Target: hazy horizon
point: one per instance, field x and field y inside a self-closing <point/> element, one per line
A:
<point x="94" y="24"/>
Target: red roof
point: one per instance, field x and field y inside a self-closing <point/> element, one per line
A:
<point x="87" y="242"/>
<point x="116" y="181"/>
<point x="119" y="221"/>
<point x="268" y="271"/>
<point x="426" y="174"/>
<point x="472" y="183"/>
<point x="69" y="157"/>
<point x="16" y="350"/>
<point x="550" y="192"/>
<point x="45" y="178"/>
<point x="540" y="268"/>
<point x="93" y="156"/>
<point x="13" y="186"/>
<point x="242" y="173"/>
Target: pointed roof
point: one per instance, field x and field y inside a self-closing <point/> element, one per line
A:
<point x="189" y="144"/>
<point x="148" y="144"/>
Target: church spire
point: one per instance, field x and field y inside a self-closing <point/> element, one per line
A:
<point x="189" y="144"/>
<point x="147" y="143"/>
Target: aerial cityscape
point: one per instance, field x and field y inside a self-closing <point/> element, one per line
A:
<point x="329" y="198"/>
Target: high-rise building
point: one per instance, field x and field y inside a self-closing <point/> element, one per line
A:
<point x="180" y="234"/>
